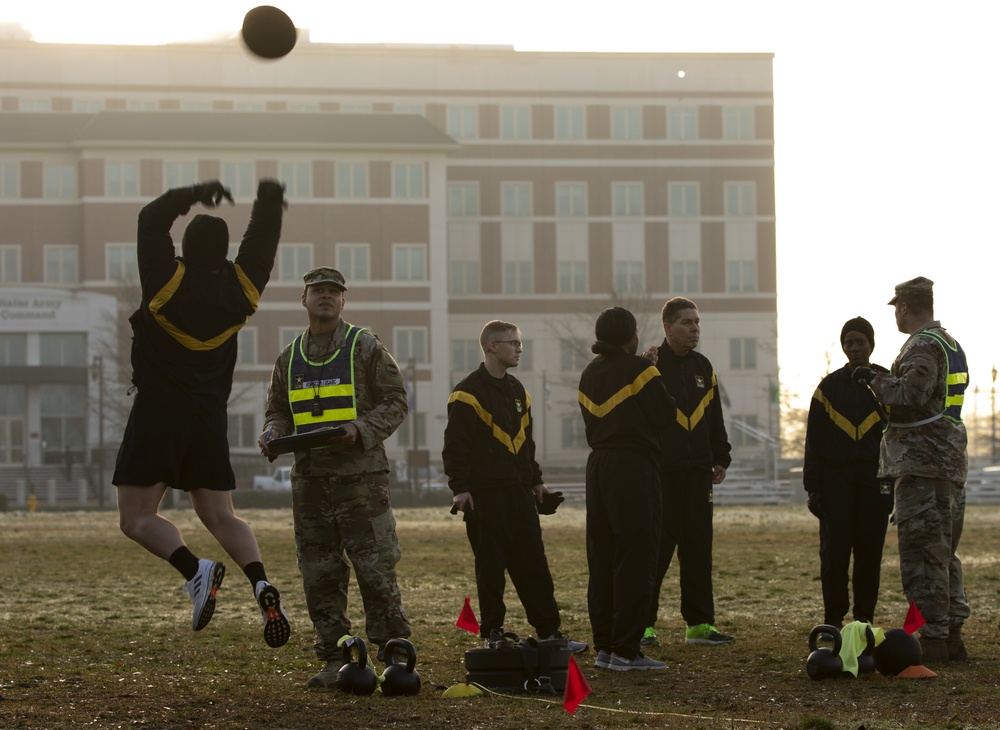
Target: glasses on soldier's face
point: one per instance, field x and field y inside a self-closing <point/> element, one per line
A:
<point x="516" y="343"/>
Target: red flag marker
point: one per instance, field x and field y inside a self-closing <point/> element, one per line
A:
<point x="914" y="619"/>
<point x="467" y="619"/>
<point x="577" y="688"/>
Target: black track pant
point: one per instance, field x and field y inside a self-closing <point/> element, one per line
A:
<point x="855" y="516"/>
<point x="623" y="536"/>
<point x="687" y="527"/>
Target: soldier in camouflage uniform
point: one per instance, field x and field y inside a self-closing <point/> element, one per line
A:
<point x="924" y="451"/>
<point x="337" y="374"/>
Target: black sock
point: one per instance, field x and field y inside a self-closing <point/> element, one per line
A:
<point x="255" y="573"/>
<point x="185" y="561"/>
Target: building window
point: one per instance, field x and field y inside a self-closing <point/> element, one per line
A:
<point x="574" y="435"/>
<point x="463" y="122"/>
<point x="294" y="260"/>
<point x="743" y="353"/>
<point x="352" y="108"/>
<point x="464" y="277"/>
<point x="570" y="122"/>
<point x="297" y="177"/>
<point x="628" y="277"/>
<point x="741" y="276"/>
<point x="409" y="262"/>
<point x="35" y="105"/>
<point x="408" y="180"/>
<point x="515" y="122"/>
<point x="410" y="343"/>
<point x="573" y="355"/>
<point x="463" y="199"/>
<point x="737" y="123"/>
<point x="10" y="264"/>
<point x="572" y="277"/>
<point x="626" y="123"/>
<point x="515" y="200"/>
<point x="61" y="264"/>
<point x="571" y="200"/>
<point x="13" y="351"/>
<point x="287" y="335"/>
<point x="737" y="436"/>
<point x="196" y="106"/>
<point x="59" y="181"/>
<point x="685" y="277"/>
<point x="413" y="423"/>
<point x="465" y="355"/>
<point x="418" y="109"/>
<point x="354" y="261"/>
<point x="303" y="108"/>
<point x="88" y="105"/>
<point x="626" y="199"/>
<point x="141" y="106"/>
<point x="682" y="199"/>
<point x="243" y="432"/>
<point x="249" y="106"/>
<point x="122" y="264"/>
<point x="121" y="179"/>
<point x="351" y="179"/>
<point x="246" y="346"/>
<point x="180" y="174"/>
<point x="682" y="123"/>
<point x="239" y="178"/>
<point x="63" y="411"/>
<point x="10" y="187"/>
<point x="741" y="198"/>
<point x="517" y="277"/>
<point x="62" y="350"/>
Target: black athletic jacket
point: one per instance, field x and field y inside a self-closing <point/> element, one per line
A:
<point x="843" y="432"/>
<point x="698" y="438"/>
<point x="184" y="333"/>
<point x="488" y="441"/>
<point x="624" y="404"/>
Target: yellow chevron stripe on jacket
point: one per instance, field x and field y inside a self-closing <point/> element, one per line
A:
<point x="843" y="423"/>
<point x="603" y="409"/>
<point x="513" y="445"/>
<point x="689" y="423"/>
<point x="192" y="343"/>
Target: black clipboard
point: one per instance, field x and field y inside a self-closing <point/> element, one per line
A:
<point x="304" y="441"/>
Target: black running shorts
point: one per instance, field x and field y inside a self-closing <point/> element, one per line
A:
<point x="185" y="449"/>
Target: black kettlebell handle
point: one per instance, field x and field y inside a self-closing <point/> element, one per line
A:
<point x="870" y="639"/>
<point x="833" y="631"/>
<point x="358" y="643"/>
<point x="411" y="652"/>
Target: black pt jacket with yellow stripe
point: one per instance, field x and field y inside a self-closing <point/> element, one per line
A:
<point x="625" y="405"/>
<point x="488" y="442"/>
<point x="843" y="432"/>
<point x="698" y="438"/>
<point x="185" y="330"/>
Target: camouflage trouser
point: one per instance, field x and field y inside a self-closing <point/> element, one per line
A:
<point x="929" y="517"/>
<point x="351" y="514"/>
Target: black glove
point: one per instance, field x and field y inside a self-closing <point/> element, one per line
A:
<point x="550" y="501"/>
<point x="863" y="375"/>
<point x="815" y="504"/>
<point x="211" y="193"/>
<point x="271" y="191"/>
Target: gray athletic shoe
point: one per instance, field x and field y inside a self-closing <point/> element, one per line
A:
<point x="202" y="589"/>
<point x="603" y="660"/>
<point x="640" y="663"/>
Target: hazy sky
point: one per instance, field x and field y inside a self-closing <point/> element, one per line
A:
<point x="887" y="147"/>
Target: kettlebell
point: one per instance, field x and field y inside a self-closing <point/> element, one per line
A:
<point x="356" y="678"/>
<point x="823" y="662"/>
<point x="866" y="659"/>
<point x="400" y="679"/>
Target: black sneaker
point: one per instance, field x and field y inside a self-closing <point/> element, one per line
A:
<point x="276" y="628"/>
<point x="577" y="647"/>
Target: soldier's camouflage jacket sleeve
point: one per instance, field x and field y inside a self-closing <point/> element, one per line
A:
<point x="915" y="376"/>
<point x="382" y="401"/>
<point x="277" y="411"/>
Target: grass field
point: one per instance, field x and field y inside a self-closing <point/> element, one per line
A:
<point x="95" y="633"/>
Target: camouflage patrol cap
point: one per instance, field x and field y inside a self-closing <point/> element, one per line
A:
<point x="323" y="274"/>
<point x="921" y="286"/>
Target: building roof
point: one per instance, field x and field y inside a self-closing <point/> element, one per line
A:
<point x="223" y="129"/>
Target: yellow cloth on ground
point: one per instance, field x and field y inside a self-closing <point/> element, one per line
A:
<point x="854" y="641"/>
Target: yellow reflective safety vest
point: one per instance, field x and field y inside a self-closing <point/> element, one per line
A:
<point x="321" y="394"/>
<point x="956" y="381"/>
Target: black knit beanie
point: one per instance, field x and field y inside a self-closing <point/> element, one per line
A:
<point x="858" y="324"/>
<point x="206" y="242"/>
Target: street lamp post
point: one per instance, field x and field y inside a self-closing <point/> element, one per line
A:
<point x="993" y="417"/>
<point x="97" y="373"/>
